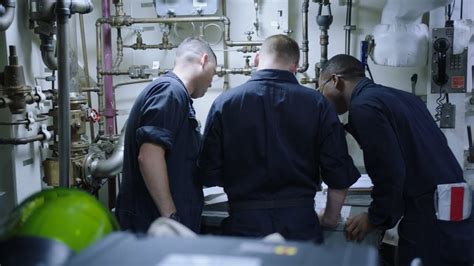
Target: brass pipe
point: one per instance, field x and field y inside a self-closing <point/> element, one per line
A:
<point x="119" y="58"/>
<point x="131" y="82"/>
<point x="239" y="71"/>
<point x="114" y="72"/>
<point x="100" y="87"/>
<point x="150" y="46"/>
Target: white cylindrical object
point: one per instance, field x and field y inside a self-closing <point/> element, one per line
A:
<point x="401" y="39"/>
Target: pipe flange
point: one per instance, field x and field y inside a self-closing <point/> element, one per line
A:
<point x="78" y="146"/>
<point x="88" y="165"/>
<point x="349" y="27"/>
<point x="10" y="90"/>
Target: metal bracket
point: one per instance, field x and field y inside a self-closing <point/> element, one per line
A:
<point x="30" y="120"/>
<point x="87" y="165"/>
<point x="37" y="91"/>
<point x="47" y="136"/>
<point x="448" y="116"/>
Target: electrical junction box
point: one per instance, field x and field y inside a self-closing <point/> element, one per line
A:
<point x="448" y="71"/>
<point x="185" y="7"/>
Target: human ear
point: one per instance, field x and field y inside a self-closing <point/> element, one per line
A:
<point x="204" y="60"/>
<point x="256" y="60"/>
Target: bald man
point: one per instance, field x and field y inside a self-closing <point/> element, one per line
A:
<point x="268" y="142"/>
<point x="410" y="163"/>
<point x="162" y="144"/>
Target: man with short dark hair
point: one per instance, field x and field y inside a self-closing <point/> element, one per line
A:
<point x="409" y="161"/>
<point x="268" y="142"/>
<point x="162" y="144"/>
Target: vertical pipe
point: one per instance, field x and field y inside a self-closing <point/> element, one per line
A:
<point x="108" y="86"/>
<point x="304" y="42"/>
<point x="469" y="136"/>
<point x="324" y="46"/>
<point x="86" y="68"/>
<point x="100" y="85"/>
<point x="348" y="27"/>
<point x="63" y="12"/>
<point x="108" y="91"/>
<point x="226" y="53"/>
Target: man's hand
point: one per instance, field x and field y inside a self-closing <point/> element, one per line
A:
<point x="326" y="222"/>
<point x="357" y="227"/>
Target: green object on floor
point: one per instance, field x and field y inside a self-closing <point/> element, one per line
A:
<point x="68" y="215"/>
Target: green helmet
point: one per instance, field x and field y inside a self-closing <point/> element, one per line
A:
<point x="67" y="215"/>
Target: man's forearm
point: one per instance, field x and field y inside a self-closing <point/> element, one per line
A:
<point x="334" y="203"/>
<point x="154" y="171"/>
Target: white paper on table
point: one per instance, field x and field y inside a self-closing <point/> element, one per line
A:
<point x="214" y="195"/>
<point x="364" y="181"/>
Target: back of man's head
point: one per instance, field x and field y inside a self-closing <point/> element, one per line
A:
<point x="279" y="51"/>
<point x="191" y="50"/>
<point x="344" y="65"/>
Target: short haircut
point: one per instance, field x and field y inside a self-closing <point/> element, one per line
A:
<point x="345" y="65"/>
<point x="281" y="48"/>
<point x="194" y="47"/>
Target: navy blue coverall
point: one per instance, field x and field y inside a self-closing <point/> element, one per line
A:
<point x="267" y="142"/>
<point x="162" y="114"/>
<point x="406" y="155"/>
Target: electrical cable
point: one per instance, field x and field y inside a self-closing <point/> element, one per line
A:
<point x="370" y="73"/>
<point x="439" y="101"/>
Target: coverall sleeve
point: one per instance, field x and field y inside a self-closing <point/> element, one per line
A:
<point x="337" y="168"/>
<point x="383" y="161"/>
<point x="211" y="157"/>
<point x="162" y="116"/>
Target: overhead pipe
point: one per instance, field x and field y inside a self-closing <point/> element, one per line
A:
<point x="226" y="71"/>
<point x="8" y="15"/>
<point x="122" y="21"/>
<point x="113" y="165"/>
<point x="44" y="14"/>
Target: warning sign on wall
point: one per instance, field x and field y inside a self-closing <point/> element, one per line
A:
<point x="457" y="82"/>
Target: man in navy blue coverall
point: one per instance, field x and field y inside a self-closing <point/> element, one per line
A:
<point x="162" y="144"/>
<point x="267" y="142"/>
<point x="407" y="156"/>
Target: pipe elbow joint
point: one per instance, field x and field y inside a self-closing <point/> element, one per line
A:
<point x="7" y="18"/>
<point x="81" y="6"/>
